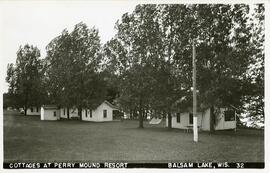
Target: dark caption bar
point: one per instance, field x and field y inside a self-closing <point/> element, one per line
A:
<point x="119" y="165"/>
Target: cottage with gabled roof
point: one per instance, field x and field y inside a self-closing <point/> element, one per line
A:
<point x="49" y="112"/>
<point x="103" y="112"/>
<point x="33" y="110"/>
<point x="225" y="119"/>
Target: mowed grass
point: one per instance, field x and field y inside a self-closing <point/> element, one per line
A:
<point x="27" y="138"/>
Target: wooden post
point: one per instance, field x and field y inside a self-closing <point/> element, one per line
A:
<point x="195" y="119"/>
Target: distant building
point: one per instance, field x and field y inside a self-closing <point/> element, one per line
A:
<point x="103" y="112"/>
<point x="50" y="112"/>
<point x="225" y="119"/>
<point x="33" y="111"/>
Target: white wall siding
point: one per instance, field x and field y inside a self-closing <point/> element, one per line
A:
<point x="222" y="124"/>
<point x="184" y="121"/>
<point x="42" y="113"/>
<point x="35" y="112"/>
<point x="203" y="121"/>
<point x="73" y="112"/>
<point x="97" y="114"/>
<point x="62" y="115"/>
<point x="48" y="114"/>
<point x="87" y="117"/>
<point x="206" y="120"/>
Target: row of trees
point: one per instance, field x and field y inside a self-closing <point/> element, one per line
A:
<point x="146" y="67"/>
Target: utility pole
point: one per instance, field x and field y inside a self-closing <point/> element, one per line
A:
<point x="195" y="118"/>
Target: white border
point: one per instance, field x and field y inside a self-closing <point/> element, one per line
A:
<point x="267" y="73"/>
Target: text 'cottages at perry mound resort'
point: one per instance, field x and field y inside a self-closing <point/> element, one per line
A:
<point x="103" y="112"/>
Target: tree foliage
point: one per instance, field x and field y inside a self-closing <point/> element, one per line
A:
<point x="254" y="101"/>
<point x="73" y="75"/>
<point x="156" y="52"/>
<point x="25" y="78"/>
<point x="147" y="65"/>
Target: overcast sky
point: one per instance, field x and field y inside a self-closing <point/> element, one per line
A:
<point x="37" y="23"/>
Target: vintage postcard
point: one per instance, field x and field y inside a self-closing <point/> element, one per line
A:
<point x="133" y="84"/>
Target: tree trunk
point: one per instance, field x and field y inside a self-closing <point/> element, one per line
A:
<point x="169" y="120"/>
<point x="26" y="104"/>
<point x="67" y="113"/>
<point x="212" y="120"/>
<point x="140" y="119"/>
<point x="130" y="113"/>
<point x="80" y="112"/>
<point x="25" y="111"/>
<point x="140" y="115"/>
<point x="134" y="115"/>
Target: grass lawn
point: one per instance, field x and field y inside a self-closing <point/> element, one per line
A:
<point x="27" y="138"/>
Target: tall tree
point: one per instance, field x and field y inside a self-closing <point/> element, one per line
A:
<point x="138" y="33"/>
<point x="223" y="47"/>
<point x="25" y="77"/>
<point x="73" y="68"/>
<point x="155" y="37"/>
<point x="254" y="102"/>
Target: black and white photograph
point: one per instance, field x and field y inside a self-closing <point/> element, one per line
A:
<point x="133" y="85"/>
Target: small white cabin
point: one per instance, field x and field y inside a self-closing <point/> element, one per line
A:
<point x="104" y="112"/>
<point x="225" y="119"/>
<point x="33" y="111"/>
<point x="50" y="112"/>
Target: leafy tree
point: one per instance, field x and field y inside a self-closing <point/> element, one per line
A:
<point x="254" y="102"/>
<point x="154" y="37"/>
<point x="138" y="34"/>
<point x="73" y="68"/>
<point x="113" y="65"/>
<point x="25" y="77"/>
<point x="9" y="100"/>
<point x="223" y="50"/>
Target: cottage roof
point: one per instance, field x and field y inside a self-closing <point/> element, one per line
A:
<point x="111" y="105"/>
<point x="49" y="107"/>
<point x="95" y="106"/>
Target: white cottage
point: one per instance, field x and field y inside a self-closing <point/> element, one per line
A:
<point x="104" y="112"/>
<point x="225" y="119"/>
<point x="33" y="111"/>
<point x="50" y="112"/>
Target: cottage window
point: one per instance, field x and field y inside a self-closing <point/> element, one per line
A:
<point x="37" y="109"/>
<point x="90" y="113"/>
<point x="178" y="117"/>
<point x="64" y="111"/>
<point x="229" y="115"/>
<point x="54" y="113"/>
<point x="32" y="110"/>
<point x="104" y="113"/>
<point x="190" y="118"/>
<point x="85" y="112"/>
